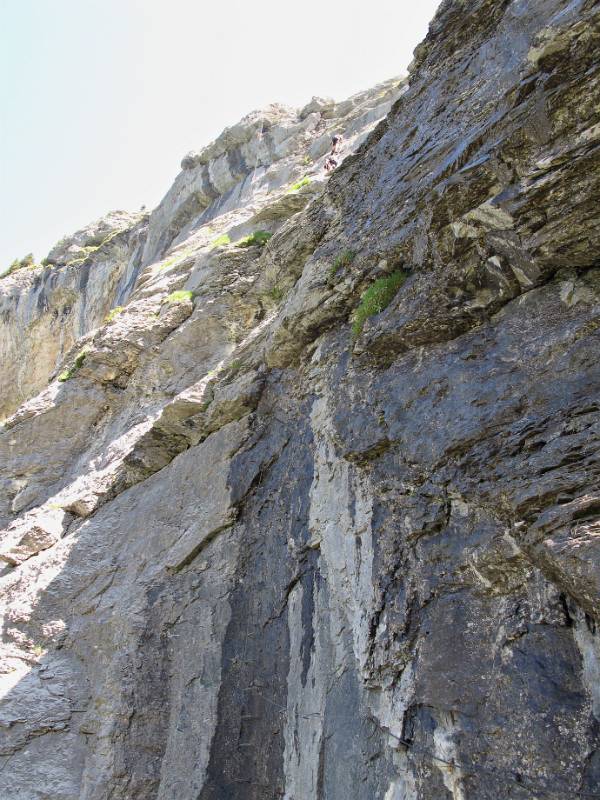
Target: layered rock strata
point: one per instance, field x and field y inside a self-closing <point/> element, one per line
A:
<point x="252" y="554"/>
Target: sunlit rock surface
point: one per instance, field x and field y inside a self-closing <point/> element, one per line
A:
<point x="252" y="554"/>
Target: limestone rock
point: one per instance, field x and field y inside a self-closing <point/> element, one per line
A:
<point x="90" y="238"/>
<point x="320" y="105"/>
<point x="44" y="312"/>
<point x="30" y="536"/>
<point x="254" y="550"/>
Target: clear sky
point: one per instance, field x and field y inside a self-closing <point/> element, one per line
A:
<point x="100" y="99"/>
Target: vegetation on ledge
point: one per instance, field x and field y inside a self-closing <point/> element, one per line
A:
<point x="259" y="238"/>
<point x="180" y="296"/>
<point x="344" y="259"/>
<point x="113" y="313"/>
<point x="221" y="241"/>
<point x="376" y="298"/>
<point x="28" y="262"/>
<point x="67" y="374"/>
<point x="89" y="250"/>
<point x="296" y="186"/>
<point x="276" y="293"/>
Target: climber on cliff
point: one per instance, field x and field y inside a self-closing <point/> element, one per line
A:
<point x="331" y="162"/>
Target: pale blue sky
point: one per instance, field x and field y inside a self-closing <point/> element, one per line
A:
<point x="100" y="99"/>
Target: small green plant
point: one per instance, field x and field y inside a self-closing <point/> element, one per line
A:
<point x="28" y="262"/>
<point x="220" y="241"/>
<point x="344" y="259"/>
<point x="297" y="186"/>
<point x="307" y="161"/>
<point x="180" y="296"/>
<point x="235" y="365"/>
<point x="276" y="293"/>
<point x="377" y="297"/>
<point x="80" y="358"/>
<point x="38" y="650"/>
<point x="259" y="238"/>
<point x="68" y="373"/>
<point x="112" y="314"/>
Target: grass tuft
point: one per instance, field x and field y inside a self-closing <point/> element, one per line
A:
<point x="180" y="296"/>
<point x="68" y="373"/>
<point x="259" y="238"/>
<point x="221" y="241"/>
<point x="296" y="186"/>
<point x="344" y="259"/>
<point x="28" y="262"/>
<point x="113" y="314"/>
<point x="376" y="298"/>
<point x="276" y="293"/>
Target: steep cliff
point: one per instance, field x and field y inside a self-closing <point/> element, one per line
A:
<point x="314" y="511"/>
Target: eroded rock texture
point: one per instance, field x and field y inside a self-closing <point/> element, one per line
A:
<point x="249" y="555"/>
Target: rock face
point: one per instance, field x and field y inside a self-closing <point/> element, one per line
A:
<point x="252" y="555"/>
<point x="44" y="313"/>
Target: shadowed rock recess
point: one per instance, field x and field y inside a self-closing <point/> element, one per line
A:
<point x="255" y="550"/>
